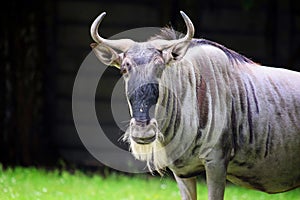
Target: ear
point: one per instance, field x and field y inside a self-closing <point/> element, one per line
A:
<point x="106" y="55"/>
<point x="175" y="52"/>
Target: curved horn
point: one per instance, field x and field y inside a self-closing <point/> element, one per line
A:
<point x="121" y="44"/>
<point x="188" y="37"/>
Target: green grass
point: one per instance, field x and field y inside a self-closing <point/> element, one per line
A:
<point x="34" y="184"/>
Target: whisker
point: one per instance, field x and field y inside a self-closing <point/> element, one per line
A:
<point x="121" y="138"/>
<point x="124" y="137"/>
<point x="125" y="121"/>
<point x="125" y="127"/>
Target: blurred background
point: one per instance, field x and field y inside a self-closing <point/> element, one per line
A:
<point x="43" y="43"/>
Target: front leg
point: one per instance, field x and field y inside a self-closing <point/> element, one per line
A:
<point x="216" y="169"/>
<point x="187" y="187"/>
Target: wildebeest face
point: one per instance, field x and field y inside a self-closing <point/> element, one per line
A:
<point x="142" y="65"/>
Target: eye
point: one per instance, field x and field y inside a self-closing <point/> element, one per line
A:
<point x="174" y="55"/>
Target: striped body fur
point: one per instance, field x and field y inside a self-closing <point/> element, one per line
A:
<point x="214" y="110"/>
<point x="249" y="115"/>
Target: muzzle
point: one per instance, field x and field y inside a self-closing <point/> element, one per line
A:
<point x="143" y="132"/>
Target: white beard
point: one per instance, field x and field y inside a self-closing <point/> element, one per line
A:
<point x="154" y="154"/>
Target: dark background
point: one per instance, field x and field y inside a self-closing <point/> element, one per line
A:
<point x="43" y="43"/>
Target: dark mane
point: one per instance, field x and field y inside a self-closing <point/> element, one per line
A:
<point x="168" y="33"/>
<point x="233" y="56"/>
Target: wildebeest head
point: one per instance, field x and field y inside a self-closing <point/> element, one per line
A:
<point x="142" y="65"/>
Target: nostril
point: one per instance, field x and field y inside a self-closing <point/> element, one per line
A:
<point x="131" y="123"/>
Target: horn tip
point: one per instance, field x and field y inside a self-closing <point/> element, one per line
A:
<point x="102" y="14"/>
<point x="182" y="13"/>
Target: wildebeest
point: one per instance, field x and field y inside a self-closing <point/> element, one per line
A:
<point x="215" y="110"/>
